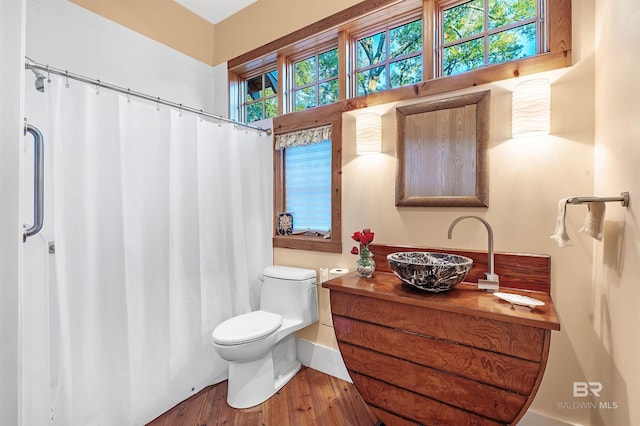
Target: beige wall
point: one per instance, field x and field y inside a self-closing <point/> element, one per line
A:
<point x="615" y="328"/>
<point x="268" y="20"/>
<point x="175" y="26"/>
<point x="164" y="21"/>
<point x="527" y="178"/>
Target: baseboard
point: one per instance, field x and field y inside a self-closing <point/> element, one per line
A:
<point x="322" y="358"/>
<point x="534" y="418"/>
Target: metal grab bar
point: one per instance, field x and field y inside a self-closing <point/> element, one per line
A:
<point x="38" y="181"/>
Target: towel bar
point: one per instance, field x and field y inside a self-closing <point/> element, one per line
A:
<point x="623" y="199"/>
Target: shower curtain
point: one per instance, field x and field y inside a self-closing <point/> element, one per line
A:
<point x="161" y="224"/>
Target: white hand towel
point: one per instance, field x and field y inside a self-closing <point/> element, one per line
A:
<point x="560" y="235"/>
<point x="594" y="222"/>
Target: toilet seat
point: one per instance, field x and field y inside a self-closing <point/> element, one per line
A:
<point x="246" y="328"/>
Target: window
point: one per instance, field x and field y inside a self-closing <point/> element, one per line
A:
<point x="308" y="186"/>
<point x="315" y="80"/>
<point x="261" y="96"/>
<point x="476" y="33"/>
<point x="389" y="59"/>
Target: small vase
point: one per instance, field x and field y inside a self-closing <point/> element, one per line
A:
<point x="365" y="265"/>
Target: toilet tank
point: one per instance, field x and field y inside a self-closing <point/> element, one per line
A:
<point x="290" y="292"/>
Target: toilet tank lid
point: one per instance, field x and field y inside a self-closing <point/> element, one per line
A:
<point x="288" y="273"/>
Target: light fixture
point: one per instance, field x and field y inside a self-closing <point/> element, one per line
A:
<point x="531" y="108"/>
<point x="368" y="133"/>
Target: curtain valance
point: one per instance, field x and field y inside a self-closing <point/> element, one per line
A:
<point x="303" y="137"/>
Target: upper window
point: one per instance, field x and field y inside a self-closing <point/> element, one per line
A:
<point x="261" y="96"/>
<point x="389" y="59"/>
<point x="315" y="80"/>
<point x="476" y="33"/>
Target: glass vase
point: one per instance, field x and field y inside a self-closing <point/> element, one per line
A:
<point x="365" y="265"/>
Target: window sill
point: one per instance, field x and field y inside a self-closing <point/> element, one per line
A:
<point x="303" y="242"/>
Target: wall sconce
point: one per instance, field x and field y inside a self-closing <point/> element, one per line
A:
<point x="368" y="133"/>
<point x="531" y="108"/>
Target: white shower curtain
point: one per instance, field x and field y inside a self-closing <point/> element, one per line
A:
<point x="162" y="225"/>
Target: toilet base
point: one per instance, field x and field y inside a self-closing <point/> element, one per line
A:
<point x="251" y="383"/>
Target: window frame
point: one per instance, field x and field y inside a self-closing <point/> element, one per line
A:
<point x="442" y="5"/>
<point x="243" y="93"/>
<point x="293" y="59"/>
<point x="333" y="244"/>
<point x="385" y="27"/>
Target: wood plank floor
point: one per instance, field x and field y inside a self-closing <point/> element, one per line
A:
<point x="310" y="398"/>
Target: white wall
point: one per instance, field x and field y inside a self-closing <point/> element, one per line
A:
<point x="11" y="128"/>
<point x="616" y="274"/>
<point x="68" y="37"/>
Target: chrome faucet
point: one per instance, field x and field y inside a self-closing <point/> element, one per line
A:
<point x="491" y="281"/>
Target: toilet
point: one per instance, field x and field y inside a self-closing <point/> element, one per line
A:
<point x="260" y="345"/>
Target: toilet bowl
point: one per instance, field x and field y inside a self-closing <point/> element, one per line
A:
<point x="260" y="345"/>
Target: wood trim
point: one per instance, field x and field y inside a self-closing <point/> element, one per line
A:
<point x="530" y="272"/>
<point x="429" y="39"/>
<point x="343" y="61"/>
<point x="559" y="21"/>
<point x="234" y="96"/>
<point x="283" y="71"/>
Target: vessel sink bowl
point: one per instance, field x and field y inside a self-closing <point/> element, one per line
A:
<point x="428" y="271"/>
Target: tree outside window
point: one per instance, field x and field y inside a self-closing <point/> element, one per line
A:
<point x="315" y="80"/>
<point x="483" y="32"/>
<point x="261" y="96"/>
<point x="389" y="59"/>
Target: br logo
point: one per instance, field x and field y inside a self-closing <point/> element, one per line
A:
<point x="584" y="389"/>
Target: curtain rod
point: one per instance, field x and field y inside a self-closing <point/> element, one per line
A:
<point x="32" y="65"/>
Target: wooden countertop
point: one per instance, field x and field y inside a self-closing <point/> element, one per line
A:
<point x="465" y="298"/>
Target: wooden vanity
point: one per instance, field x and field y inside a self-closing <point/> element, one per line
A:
<point x="461" y="357"/>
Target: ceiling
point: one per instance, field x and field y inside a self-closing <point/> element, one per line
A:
<point x="215" y="11"/>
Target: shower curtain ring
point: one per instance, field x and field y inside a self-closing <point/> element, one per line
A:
<point x="180" y="110"/>
<point x="98" y="88"/>
<point x="48" y="75"/>
<point x="158" y="104"/>
<point x="66" y="84"/>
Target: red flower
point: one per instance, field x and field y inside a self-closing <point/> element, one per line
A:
<point x="364" y="238"/>
<point x="354" y="250"/>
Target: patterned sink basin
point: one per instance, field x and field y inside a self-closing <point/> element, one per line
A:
<point x="434" y="272"/>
